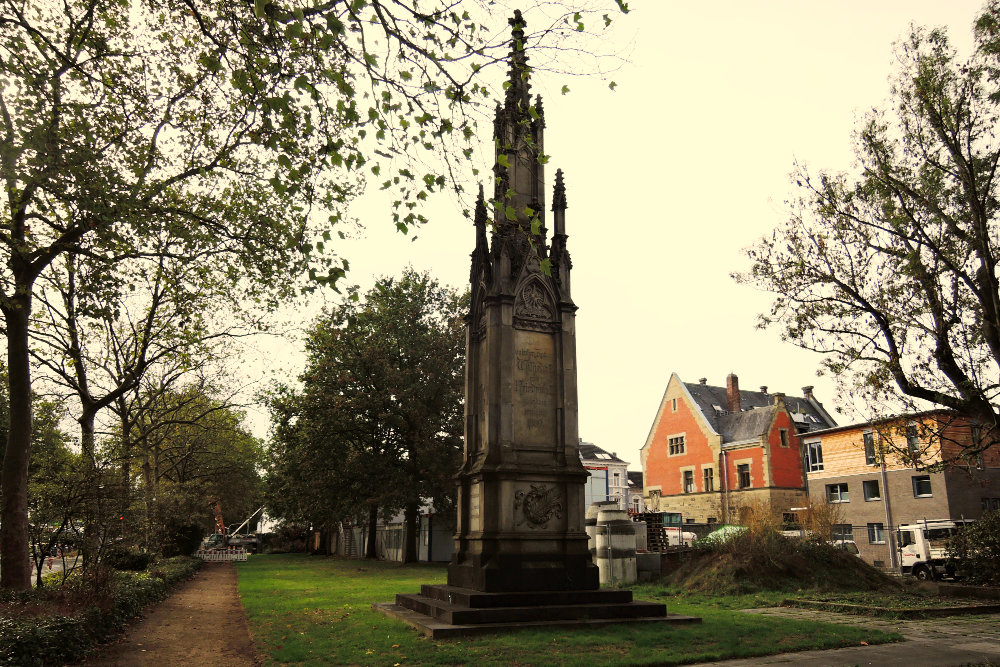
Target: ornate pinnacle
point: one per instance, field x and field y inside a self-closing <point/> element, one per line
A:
<point x="559" y="193"/>
<point x="517" y="91"/>
<point x="481" y="213"/>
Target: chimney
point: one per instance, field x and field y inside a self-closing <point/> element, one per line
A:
<point x="733" y="393"/>
<point x="763" y="389"/>
<point x="807" y="392"/>
<point x="702" y="380"/>
<point x="779" y="400"/>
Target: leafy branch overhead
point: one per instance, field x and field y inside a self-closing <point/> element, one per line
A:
<point x="227" y="135"/>
<point x="891" y="273"/>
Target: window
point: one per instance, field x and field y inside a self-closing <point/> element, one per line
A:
<point x="912" y="441"/>
<point x="617" y="479"/>
<point x="837" y="493"/>
<point x="843" y="532"/>
<point x="783" y="436"/>
<point x="675" y="445"/>
<point x="870" y="487"/>
<point x="870" y="458"/>
<point x="711" y="519"/>
<point x="922" y="486"/>
<point x="688" y="520"/>
<point x="673" y="404"/>
<point x="814" y="456"/>
<point x="991" y="504"/>
<point x="709" y="475"/>
<point x="876" y="533"/>
<point x="743" y="474"/>
<point x="688" y="481"/>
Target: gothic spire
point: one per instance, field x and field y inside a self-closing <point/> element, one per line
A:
<point x="559" y="196"/>
<point x="480" y="252"/>
<point x="518" y="129"/>
<point x="517" y="91"/>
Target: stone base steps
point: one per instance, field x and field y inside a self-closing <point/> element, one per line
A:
<point x="448" y="611"/>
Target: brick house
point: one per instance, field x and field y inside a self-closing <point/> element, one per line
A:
<point x="877" y="476"/>
<point x="712" y="449"/>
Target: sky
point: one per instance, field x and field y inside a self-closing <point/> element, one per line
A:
<point x="670" y="177"/>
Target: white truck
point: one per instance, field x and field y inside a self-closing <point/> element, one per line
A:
<point x="923" y="547"/>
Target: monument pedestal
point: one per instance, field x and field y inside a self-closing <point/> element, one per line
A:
<point x="449" y="611"/>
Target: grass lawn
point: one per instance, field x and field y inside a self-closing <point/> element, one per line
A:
<point x="316" y="610"/>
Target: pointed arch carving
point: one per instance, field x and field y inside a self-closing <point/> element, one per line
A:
<point x="535" y="307"/>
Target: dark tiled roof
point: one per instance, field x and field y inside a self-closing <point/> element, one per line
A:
<point x="591" y="452"/>
<point x="806" y="416"/>
<point x="634" y="478"/>
<point x="745" y="425"/>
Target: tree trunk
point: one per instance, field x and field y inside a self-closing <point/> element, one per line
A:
<point x="90" y="546"/>
<point x="14" y="571"/>
<point x="410" y="532"/>
<point x="370" y="552"/>
<point x="148" y="493"/>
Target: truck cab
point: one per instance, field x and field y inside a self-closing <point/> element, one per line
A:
<point x="923" y="547"/>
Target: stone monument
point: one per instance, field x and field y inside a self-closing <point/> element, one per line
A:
<point x="521" y="552"/>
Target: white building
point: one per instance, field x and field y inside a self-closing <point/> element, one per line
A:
<point x="608" y="475"/>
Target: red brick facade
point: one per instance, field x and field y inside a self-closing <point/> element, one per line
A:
<point x="704" y="465"/>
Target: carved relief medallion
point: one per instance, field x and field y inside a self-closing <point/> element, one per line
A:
<point x="533" y="303"/>
<point x="539" y="505"/>
<point x="534" y="310"/>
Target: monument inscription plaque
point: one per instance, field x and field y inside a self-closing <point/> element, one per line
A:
<point x="534" y="390"/>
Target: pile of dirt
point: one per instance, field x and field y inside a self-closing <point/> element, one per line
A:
<point x="745" y="565"/>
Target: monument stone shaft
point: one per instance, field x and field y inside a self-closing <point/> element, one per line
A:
<point x="521" y="484"/>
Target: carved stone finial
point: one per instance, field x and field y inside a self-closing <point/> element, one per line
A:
<point x="559" y="193"/>
<point x="517" y="24"/>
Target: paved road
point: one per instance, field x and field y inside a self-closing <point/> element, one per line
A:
<point x="936" y="642"/>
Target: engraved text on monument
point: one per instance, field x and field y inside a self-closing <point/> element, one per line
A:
<point x="534" y="389"/>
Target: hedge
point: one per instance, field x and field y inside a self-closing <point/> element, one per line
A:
<point x="57" y="639"/>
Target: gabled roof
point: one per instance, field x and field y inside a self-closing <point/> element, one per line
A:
<point x="808" y="414"/>
<point x="752" y="424"/>
<point x="591" y="452"/>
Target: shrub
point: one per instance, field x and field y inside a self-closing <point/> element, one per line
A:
<point x="59" y="638"/>
<point x="975" y="550"/>
<point x="125" y="558"/>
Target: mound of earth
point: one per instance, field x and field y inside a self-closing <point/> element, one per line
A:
<point x="743" y="566"/>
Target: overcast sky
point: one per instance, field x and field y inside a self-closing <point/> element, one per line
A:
<point x="670" y="178"/>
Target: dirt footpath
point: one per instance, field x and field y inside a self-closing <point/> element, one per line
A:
<point x="201" y="623"/>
